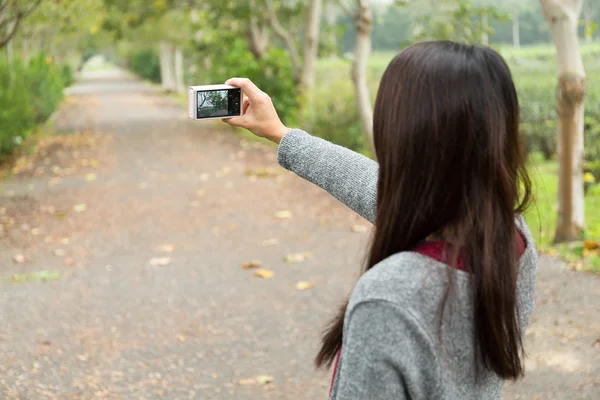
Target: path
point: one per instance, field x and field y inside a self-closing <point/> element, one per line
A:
<point x="117" y="327"/>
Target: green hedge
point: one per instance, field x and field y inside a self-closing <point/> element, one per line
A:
<point x="30" y="93"/>
<point x="145" y="63"/>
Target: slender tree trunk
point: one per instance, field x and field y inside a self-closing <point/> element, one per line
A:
<point x="258" y="39"/>
<point x="179" y="78"/>
<point x="311" y="43"/>
<point x="362" y="49"/>
<point x="485" y="40"/>
<point x="587" y="31"/>
<point x="167" y="64"/>
<point x="563" y="17"/>
<point x="516" y="30"/>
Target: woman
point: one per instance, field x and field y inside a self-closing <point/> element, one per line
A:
<point x="448" y="289"/>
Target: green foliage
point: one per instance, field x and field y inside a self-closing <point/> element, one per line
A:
<point x="31" y="92"/>
<point x="16" y="114"/>
<point x="44" y="79"/>
<point x="459" y="20"/>
<point x="145" y="63"/>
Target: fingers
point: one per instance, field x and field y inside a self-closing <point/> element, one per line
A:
<point x="235" y="121"/>
<point x="245" y="105"/>
<point x="251" y="90"/>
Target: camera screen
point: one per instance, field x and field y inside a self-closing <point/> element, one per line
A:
<point x="219" y="103"/>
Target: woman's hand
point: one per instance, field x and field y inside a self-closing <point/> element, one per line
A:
<point x="258" y="113"/>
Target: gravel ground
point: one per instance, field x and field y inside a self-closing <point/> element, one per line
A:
<point x="140" y="221"/>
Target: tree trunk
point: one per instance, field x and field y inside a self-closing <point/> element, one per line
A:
<point x="563" y="17"/>
<point x="311" y="43"/>
<point x="258" y="40"/>
<point x="167" y="73"/>
<point x="362" y="49"/>
<point x="485" y="40"/>
<point x="588" y="32"/>
<point x="179" y="78"/>
<point x="516" y="31"/>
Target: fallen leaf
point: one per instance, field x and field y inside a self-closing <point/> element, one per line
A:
<point x="552" y="252"/>
<point x="59" y="252"/>
<point x="249" y="381"/>
<point x="166" y="248"/>
<point x="90" y="177"/>
<point x="359" y="228"/>
<point x="264" y="379"/>
<point x="181" y="338"/>
<point x="80" y="208"/>
<point x="160" y="261"/>
<point x="19" y="258"/>
<point x="65" y="241"/>
<point x="251" y="264"/>
<point x="264" y="273"/>
<point x="297" y="257"/>
<point x="69" y="262"/>
<point x="284" y="214"/>
<point x="35" y="231"/>
<point x="200" y="192"/>
<point x="143" y="185"/>
<point x="590" y="245"/>
<point x="597" y="343"/>
<point x="204" y="177"/>
<point x="94" y="163"/>
<point x="269" y="242"/>
<point x="304" y="285"/>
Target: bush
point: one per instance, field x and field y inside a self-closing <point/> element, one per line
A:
<point x="67" y="75"/>
<point x="335" y="118"/>
<point x="44" y="79"/>
<point x="145" y="63"/>
<point x="30" y="93"/>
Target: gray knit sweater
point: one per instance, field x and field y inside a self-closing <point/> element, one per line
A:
<point x="390" y="348"/>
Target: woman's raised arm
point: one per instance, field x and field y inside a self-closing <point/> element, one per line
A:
<point x="348" y="176"/>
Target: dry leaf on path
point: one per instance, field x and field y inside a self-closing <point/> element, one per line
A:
<point x="264" y="379"/>
<point x="165" y="248"/>
<point x="590" y="245"/>
<point x="249" y="381"/>
<point x="59" y="252"/>
<point x="269" y="242"/>
<point x="264" y="273"/>
<point x="297" y="257"/>
<point x="69" y="262"/>
<point x="304" y="285"/>
<point x="200" y="192"/>
<point x="80" y="208"/>
<point x="251" y="264"/>
<point x="19" y="258"/>
<point x="160" y="261"/>
<point x="359" y="228"/>
<point x="204" y="177"/>
<point x="90" y="177"/>
<point x="284" y="214"/>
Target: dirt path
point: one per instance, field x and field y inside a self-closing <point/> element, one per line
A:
<point x="139" y="186"/>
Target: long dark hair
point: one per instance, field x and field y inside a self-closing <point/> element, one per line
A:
<point x="446" y="133"/>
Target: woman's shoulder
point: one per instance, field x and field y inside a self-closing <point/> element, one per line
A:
<point x="400" y="279"/>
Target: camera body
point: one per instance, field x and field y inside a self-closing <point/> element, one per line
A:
<point x="214" y="102"/>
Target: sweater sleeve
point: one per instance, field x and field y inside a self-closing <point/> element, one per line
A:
<point x="385" y="355"/>
<point x="348" y="176"/>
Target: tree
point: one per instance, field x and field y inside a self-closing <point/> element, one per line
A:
<point x="12" y="13"/>
<point x="563" y="19"/>
<point x="589" y="14"/>
<point x="303" y="66"/>
<point x="363" y="22"/>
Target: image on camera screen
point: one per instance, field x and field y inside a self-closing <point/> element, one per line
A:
<point x="215" y="104"/>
